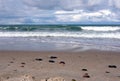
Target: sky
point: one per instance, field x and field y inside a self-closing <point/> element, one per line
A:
<point x="59" y="11"/>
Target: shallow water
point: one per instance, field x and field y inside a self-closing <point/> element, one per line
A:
<point x="59" y="38"/>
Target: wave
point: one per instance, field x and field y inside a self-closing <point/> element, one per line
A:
<point x="58" y="28"/>
<point x="60" y="34"/>
<point x="40" y="28"/>
<point x="60" y="31"/>
<point x="104" y="28"/>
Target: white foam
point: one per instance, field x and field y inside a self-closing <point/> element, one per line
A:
<point x="108" y="28"/>
<point x="60" y="34"/>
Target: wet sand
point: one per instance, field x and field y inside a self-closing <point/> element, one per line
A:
<point x="92" y="65"/>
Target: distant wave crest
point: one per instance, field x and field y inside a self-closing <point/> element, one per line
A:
<point x="108" y="28"/>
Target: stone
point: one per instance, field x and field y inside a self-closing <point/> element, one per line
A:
<point x="53" y="57"/>
<point x="51" y="61"/>
<point x="61" y="62"/>
<point x="84" y="70"/>
<point x="112" y="66"/>
<point x="39" y="59"/>
<point x="86" y="75"/>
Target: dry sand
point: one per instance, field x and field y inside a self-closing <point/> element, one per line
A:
<point x="82" y="66"/>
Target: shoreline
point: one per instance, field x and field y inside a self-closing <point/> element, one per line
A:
<point x="62" y="51"/>
<point x="58" y="44"/>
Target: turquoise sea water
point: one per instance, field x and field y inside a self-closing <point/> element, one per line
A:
<point x="59" y="37"/>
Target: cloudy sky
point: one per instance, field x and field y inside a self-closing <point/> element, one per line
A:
<point x="59" y="11"/>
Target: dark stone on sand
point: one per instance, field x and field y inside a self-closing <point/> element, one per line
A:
<point x="112" y="66"/>
<point x="84" y="70"/>
<point x="118" y="76"/>
<point x="11" y="62"/>
<point x="86" y="75"/>
<point x="8" y="64"/>
<point x="23" y="63"/>
<point x="21" y="66"/>
<point x="73" y="80"/>
<point x="51" y="61"/>
<point x="15" y="70"/>
<point x="79" y="56"/>
<point x="39" y="59"/>
<point x="107" y="72"/>
<point x="33" y="77"/>
<point x="7" y="77"/>
<point x="61" y="62"/>
<point x="53" y="57"/>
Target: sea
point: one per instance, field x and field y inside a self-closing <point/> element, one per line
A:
<point x="73" y="38"/>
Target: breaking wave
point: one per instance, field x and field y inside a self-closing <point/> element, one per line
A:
<point x="60" y="34"/>
<point x="60" y="31"/>
<point x="57" y="28"/>
<point x="108" y="28"/>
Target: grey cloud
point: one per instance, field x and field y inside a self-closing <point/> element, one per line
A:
<point x="42" y="4"/>
<point x="28" y="11"/>
<point x="73" y="4"/>
<point x="55" y="4"/>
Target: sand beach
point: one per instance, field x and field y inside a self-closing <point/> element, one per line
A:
<point x="91" y="65"/>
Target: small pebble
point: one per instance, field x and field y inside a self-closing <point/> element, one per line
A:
<point x="11" y="62"/>
<point x="73" y="80"/>
<point x="8" y="77"/>
<point x="23" y="63"/>
<point x="86" y="75"/>
<point x="112" y="66"/>
<point x="61" y="62"/>
<point x="33" y="77"/>
<point x="8" y="64"/>
<point x="51" y="61"/>
<point x="15" y="70"/>
<point x="107" y="72"/>
<point x="38" y="59"/>
<point x="21" y="66"/>
<point x="53" y="57"/>
<point x="118" y="76"/>
<point x="84" y="70"/>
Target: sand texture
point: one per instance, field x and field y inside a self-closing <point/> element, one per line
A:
<point x="90" y="65"/>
